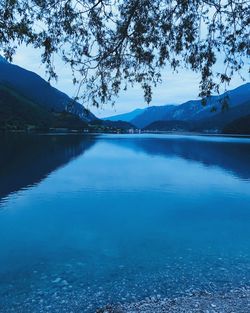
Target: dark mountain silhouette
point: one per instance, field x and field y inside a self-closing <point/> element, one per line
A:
<point x="169" y="126"/>
<point x="19" y="113"/>
<point x="27" y="160"/>
<point x="114" y="124"/>
<point x="217" y="122"/>
<point x="37" y="90"/>
<point x="238" y="126"/>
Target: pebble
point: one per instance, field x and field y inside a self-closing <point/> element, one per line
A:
<point x="64" y="282"/>
<point x="57" y="280"/>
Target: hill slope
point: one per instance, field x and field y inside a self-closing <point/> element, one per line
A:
<point x="127" y="117"/>
<point x="111" y="126"/>
<point x="152" y="114"/>
<point x="213" y="124"/>
<point x="37" y="90"/>
<point x="168" y="126"/>
<point x="19" y="113"/>
<point x="238" y="126"/>
<point x="218" y="121"/>
<point x="193" y="111"/>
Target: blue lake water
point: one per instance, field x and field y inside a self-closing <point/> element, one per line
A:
<point x="90" y="220"/>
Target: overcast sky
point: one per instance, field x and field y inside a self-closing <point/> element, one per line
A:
<point x="175" y="89"/>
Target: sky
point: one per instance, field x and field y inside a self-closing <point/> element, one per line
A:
<point x="174" y="89"/>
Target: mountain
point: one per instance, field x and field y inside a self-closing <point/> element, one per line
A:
<point x="238" y="126"/>
<point x="169" y="126"/>
<point x="193" y="111"/>
<point x="20" y="113"/>
<point x="127" y="117"/>
<point x="153" y="114"/>
<point x="212" y="124"/>
<point x="119" y="124"/>
<point x="217" y="122"/>
<point x="37" y="90"/>
<point x="111" y="126"/>
<point x="26" y="100"/>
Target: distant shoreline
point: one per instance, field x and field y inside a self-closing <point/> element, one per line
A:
<point x="75" y="132"/>
<point x="197" y="134"/>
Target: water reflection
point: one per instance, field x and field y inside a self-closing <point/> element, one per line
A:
<point x="26" y="160"/>
<point x="135" y="216"/>
<point x="229" y="154"/>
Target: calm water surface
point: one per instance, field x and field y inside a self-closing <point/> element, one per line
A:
<point x="89" y="220"/>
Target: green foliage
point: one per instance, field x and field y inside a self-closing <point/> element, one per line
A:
<point x="114" y="44"/>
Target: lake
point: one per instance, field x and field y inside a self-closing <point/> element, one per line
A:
<point x="90" y="220"/>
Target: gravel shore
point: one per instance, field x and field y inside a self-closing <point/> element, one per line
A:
<point x="234" y="301"/>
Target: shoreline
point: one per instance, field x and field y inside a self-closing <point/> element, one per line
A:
<point x="174" y="133"/>
<point x="197" y="134"/>
<point x="233" y="301"/>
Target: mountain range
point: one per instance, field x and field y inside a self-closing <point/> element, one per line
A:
<point x="27" y="101"/>
<point x="28" y="85"/>
<point x="214" y="116"/>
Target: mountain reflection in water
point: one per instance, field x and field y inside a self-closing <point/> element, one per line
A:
<point x="25" y="160"/>
<point x="230" y="154"/>
<point x="131" y="217"/>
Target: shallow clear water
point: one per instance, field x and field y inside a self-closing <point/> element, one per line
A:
<point x="89" y="220"/>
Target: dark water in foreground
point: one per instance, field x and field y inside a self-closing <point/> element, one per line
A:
<point x="89" y="220"/>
